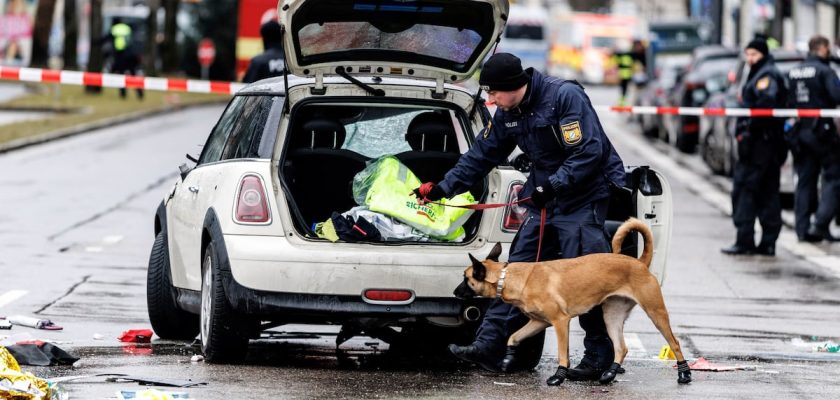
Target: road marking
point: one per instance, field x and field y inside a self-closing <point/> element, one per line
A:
<point x="11" y="296"/>
<point x="635" y="348"/>
<point x="93" y="249"/>
<point x="112" y="239"/>
<point x="713" y="195"/>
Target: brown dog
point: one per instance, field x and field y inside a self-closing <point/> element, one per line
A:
<point x="554" y="292"/>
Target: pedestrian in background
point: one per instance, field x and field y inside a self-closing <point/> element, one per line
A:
<point x="271" y="62"/>
<point x="761" y="152"/>
<point x="626" y="61"/>
<point x="124" y="57"/>
<point x="814" y="84"/>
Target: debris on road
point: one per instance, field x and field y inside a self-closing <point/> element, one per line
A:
<point x="98" y="336"/>
<point x="504" y="383"/>
<point x="701" y="364"/>
<point x="34" y="323"/>
<point x="39" y="353"/>
<point x="5" y="324"/>
<point x="153" y="381"/>
<point x="18" y="385"/>
<point x="197" y="358"/>
<point x="826" y="346"/>
<point x="150" y="394"/>
<point x="136" y="336"/>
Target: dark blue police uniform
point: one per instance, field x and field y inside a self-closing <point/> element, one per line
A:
<point x="557" y="127"/>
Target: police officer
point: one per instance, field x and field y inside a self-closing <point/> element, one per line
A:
<point x="813" y="84"/>
<point x="272" y="61"/>
<point x="761" y="153"/>
<point x="125" y="59"/>
<point x="574" y="164"/>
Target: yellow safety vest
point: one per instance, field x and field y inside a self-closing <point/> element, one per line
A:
<point x="121" y="33"/>
<point x="625" y="66"/>
<point x="385" y="186"/>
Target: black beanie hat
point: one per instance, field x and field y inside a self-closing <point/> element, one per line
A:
<point x="759" y="45"/>
<point x="503" y="72"/>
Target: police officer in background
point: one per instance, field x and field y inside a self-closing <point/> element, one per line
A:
<point x="573" y="166"/>
<point x="814" y="84"/>
<point x="124" y="57"/>
<point x="761" y="152"/>
<point x="271" y="62"/>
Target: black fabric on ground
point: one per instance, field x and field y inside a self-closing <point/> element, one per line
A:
<point x="43" y="354"/>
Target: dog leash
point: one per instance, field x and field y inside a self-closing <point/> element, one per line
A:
<point x="487" y="206"/>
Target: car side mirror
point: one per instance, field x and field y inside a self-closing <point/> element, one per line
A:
<point x="184" y="170"/>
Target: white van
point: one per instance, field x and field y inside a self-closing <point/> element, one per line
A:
<point x="526" y="36"/>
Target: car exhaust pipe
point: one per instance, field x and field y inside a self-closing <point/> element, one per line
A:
<point x="472" y="313"/>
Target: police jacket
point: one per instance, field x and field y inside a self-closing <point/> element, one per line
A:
<point x="556" y="126"/>
<point x="813" y="85"/>
<point x="266" y="65"/>
<point x="761" y="139"/>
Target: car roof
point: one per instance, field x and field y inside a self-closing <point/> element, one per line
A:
<point x="714" y="51"/>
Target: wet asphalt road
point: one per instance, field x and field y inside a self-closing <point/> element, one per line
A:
<point x="76" y="229"/>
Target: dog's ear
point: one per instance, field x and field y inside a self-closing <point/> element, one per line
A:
<point x="479" y="271"/>
<point x="495" y="253"/>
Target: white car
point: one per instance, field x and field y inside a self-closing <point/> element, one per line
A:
<point x="235" y="252"/>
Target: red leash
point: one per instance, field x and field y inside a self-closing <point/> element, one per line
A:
<point x="487" y="206"/>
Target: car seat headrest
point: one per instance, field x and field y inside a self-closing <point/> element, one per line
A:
<point x="321" y="133"/>
<point x="432" y="131"/>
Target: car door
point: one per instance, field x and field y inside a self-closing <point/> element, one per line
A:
<point x="187" y="209"/>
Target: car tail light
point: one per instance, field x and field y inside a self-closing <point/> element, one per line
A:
<point x="514" y="213"/>
<point x="388" y="295"/>
<point x="251" y="202"/>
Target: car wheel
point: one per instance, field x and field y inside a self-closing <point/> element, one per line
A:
<point x="168" y="321"/>
<point x="221" y="340"/>
<point x="713" y="154"/>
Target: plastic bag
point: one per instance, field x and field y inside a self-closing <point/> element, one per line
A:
<point x="389" y="228"/>
<point x="385" y="186"/>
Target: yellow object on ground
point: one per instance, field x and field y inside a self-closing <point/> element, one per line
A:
<point x="385" y="186"/>
<point x="666" y="353"/>
<point x="16" y="385"/>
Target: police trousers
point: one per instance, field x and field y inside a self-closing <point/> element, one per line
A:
<point x="807" y="165"/>
<point x="755" y="194"/>
<point x="830" y="195"/>
<point x="567" y="235"/>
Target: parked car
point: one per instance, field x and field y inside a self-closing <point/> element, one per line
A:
<point x="707" y="63"/>
<point x="235" y="252"/>
<point x="655" y="93"/>
<point x="717" y="144"/>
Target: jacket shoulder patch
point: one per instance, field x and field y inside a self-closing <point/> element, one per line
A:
<point x="763" y="83"/>
<point x="571" y="133"/>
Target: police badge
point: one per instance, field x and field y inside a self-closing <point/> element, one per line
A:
<point x="571" y="133"/>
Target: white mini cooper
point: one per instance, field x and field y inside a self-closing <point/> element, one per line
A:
<point x="236" y="251"/>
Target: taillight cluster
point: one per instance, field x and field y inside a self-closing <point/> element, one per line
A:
<point x="514" y="213"/>
<point x="251" y="203"/>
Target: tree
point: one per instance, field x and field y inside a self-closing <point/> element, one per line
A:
<point x="41" y="33"/>
<point x="95" y="60"/>
<point x="150" y="59"/>
<point x="71" y="34"/>
<point x="169" y="46"/>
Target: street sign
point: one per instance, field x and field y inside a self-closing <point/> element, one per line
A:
<point x="206" y="52"/>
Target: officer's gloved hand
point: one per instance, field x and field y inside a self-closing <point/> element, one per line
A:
<point x="542" y="195"/>
<point x="429" y="192"/>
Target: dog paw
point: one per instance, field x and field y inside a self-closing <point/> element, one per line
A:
<point x="683" y="372"/>
<point x="558" y="377"/>
<point x="509" y="362"/>
<point x="609" y="375"/>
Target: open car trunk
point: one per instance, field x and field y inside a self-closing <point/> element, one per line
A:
<point x="329" y="142"/>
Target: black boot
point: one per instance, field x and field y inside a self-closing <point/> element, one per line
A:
<point x="683" y="372"/>
<point x="766" y="250"/>
<point x="738" y="250"/>
<point x="509" y="362"/>
<point x="558" y="377"/>
<point x="475" y="354"/>
<point x="821" y="234"/>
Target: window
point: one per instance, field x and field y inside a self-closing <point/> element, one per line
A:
<point x="245" y="134"/>
<point x="215" y="143"/>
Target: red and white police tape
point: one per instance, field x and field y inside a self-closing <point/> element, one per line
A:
<point x="201" y="86"/>
<point x="117" y="80"/>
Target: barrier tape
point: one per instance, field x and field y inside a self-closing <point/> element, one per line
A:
<point x="726" y="112"/>
<point x="118" y="80"/>
<point x="202" y="86"/>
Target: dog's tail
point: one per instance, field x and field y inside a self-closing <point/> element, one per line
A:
<point x="631" y="225"/>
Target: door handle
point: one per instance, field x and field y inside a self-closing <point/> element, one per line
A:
<point x="193" y="189"/>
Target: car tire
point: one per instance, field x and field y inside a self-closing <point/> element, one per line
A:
<point x="168" y="320"/>
<point x="220" y="329"/>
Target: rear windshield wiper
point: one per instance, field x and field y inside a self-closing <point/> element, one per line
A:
<point x="368" y="88"/>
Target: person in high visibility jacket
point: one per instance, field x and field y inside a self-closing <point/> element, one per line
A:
<point x="626" y="62"/>
<point x="124" y="58"/>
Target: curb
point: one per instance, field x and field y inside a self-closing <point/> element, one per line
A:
<point x="18" y="144"/>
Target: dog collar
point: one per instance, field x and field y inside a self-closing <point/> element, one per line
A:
<point x="501" y="284"/>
